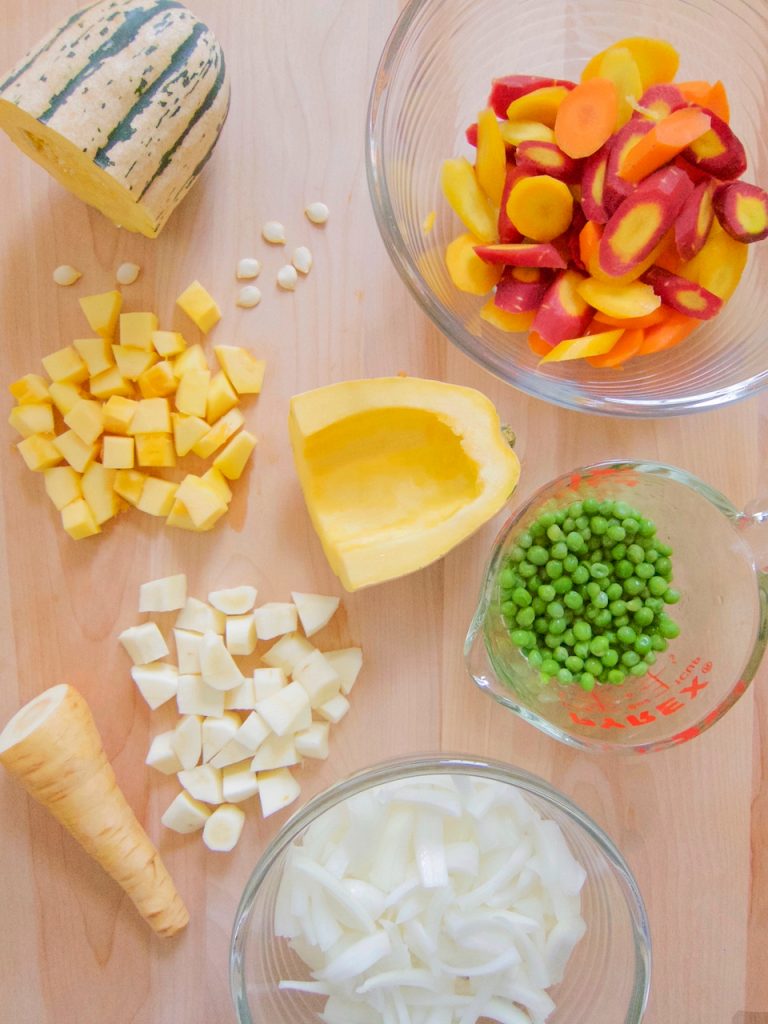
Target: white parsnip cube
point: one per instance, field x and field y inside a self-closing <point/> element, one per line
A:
<point x="163" y="595"/>
<point x="318" y="678"/>
<point x="230" y="753"/>
<point x="275" y="752"/>
<point x="203" y="783"/>
<point x="235" y="601"/>
<point x="187" y="651"/>
<point x="287" y="710"/>
<point x="334" y="709"/>
<point x="217" y="732"/>
<point x="223" y="829"/>
<point x="162" y="756"/>
<point x="188" y="741"/>
<point x="242" y="697"/>
<point x="277" y="789"/>
<point x="239" y="782"/>
<point x="241" y="634"/>
<point x="199" y="617"/>
<point x="287" y="652"/>
<point x="195" y="697"/>
<point x="274" y="619"/>
<point x="313" y="742"/>
<point x="315" y="610"/>
<point x="144" y="643"/>
<point x="252" y="732"/>
<point x="267" y="681"/>
<point x="185" y="814"/>
<point x="346" y="663"/>
<point x="157" y="682"/>
<point x="217" y="666"/>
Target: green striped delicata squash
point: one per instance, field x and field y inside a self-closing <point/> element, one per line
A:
<point x="122" y="103"/>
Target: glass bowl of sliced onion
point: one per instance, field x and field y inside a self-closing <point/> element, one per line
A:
<point x="441" y="890"/>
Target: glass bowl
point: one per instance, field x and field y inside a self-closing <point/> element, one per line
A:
<point x="434" y="77"/>
<point x="607" y="978"/>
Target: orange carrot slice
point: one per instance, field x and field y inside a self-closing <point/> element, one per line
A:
<point x="537" y="345"/>
<point x="664" y="141"/>
<point x="619" y="66"/>
<point x="709" y="95"/>
<point x="627" y="346"/>
<point x="589" y="242"/>
<point x="668" y="333"/>
<point x="586" y="117"/>
<point x="630" y="322"/>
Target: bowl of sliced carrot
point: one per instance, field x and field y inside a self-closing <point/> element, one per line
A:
<point x="577" y="197"/>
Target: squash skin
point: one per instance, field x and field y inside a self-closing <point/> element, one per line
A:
<point x="122" y="103"/>
<point x="397" y="471"/>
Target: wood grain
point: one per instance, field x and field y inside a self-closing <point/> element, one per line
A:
<point x="692" y="822"/>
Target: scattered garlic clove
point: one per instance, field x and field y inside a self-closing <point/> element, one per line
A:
<point x="273" y="232"/>
<point x="287" y="278"/>
<point x="223" y="829"/>
<point x="249" y="296"/>
<point x="302" y="259"/>
<point x="66" y="275"/>
<point x="317" y="213"/>
<point x="127" y="273"/>
<point x="248" y="268"/>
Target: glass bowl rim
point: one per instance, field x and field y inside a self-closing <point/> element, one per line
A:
<point x="416" y="765"/>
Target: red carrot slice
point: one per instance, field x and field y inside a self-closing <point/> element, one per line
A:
<point x="668" y="333"/>
<point x="593" y="185"/>
<point x="516" y="296"/>
<point x="616" y="189"/>
<point x="586" y="117"/>
<point x="683" y="296"/>
<point x="470" y="134"/>
<point x="742" y="210"/>
<point x="512" y="87"/>
<point x="528" y="254"/>
<point x="627" y="346"/>
<point x="563" y="313"/>
<point x="660" y="101"/>
<point x="694" y="220"/>
<point x="547" y="158"/>
<point x="664" y="141"/>
<point x="718" y="151"/>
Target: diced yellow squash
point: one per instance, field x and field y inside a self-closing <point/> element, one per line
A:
<point x="98" y="490"/>
<point x="76" y="452"/>
<point x="102" y="312"/>
<point x="86" y="418"/>
<point x="65" y="366"/>
<point x="64" y="396"/>
<point x="244" y="370"/>
<point x="136" y="330"/>
<point x="221" y="397"/>
<point x="117" y="452"/>
<point x="78" y="520"/>
<point x="118" y="413"/>
<point x="192" y="393"/>
<point x="192" y="358"/>
<point x="95" y="353"/>
<point x="110" y="382"/>
<point x="180" y="518"/>
<point x="199" y="306"/>
<point x="168" y="343"/>
<point x="157" y="497"/>
<point x="201" y="501"/>
<point x="152" y="416"/>
<point x="215" y="480"/>
<point x="33" y="418"/>
<point x="129" y="484"/>
<point x="29" y="389"/>
<point x="155" y="450"/>
<point x="219" y="433"/>
<point x="39" y="452"/>
<point x="62" y="485"/>
<point x="132" y="362"/>
<point x="187" y="431"/>
<point x="158" y="381"/>
<point x="232" y="460"/>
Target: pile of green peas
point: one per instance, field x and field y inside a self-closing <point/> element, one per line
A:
<point x="583" y="592"/>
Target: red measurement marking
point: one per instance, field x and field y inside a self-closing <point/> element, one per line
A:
<point x="695" y="687"/>
<point x="669" y="706"/>
<point x="644" y="718"/>
<point x="659" y="682"/>
<point x="686" y="734"/>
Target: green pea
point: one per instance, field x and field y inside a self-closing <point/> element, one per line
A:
<point x="599" y="571"/>
<point x="538" y="555"/>
<point x="546" y="592"/>
<point x="593" y="588"/>
<point x="582" y="630"/>
<point x="650" y="658"/>
<point x="634" y="605"/>
<point x="630" y="658"/>
<point x="535" y="658"/>
<point x="570" y="562"/>
<point x="564" y="675"/>
<point x="574" y="664"/>
<point x="567" y="524"/>
<point x="521" y="597"/>
<point x="563" y="585"/>
<point x="651" y="554"/>
<point x="643" y="644"/>
<point x="600" y="600"/>
<point x="554" y="569"/>
<point x="610" y="658"/>
<point x="520" y="637"/>
<point x="635" y="554"/>
<point x="509" y="608"/>
<point x="568" y="638"/>
<point x="551" y="641"/>
<point x="590" y="506"/>
<point x="621" y="620"/>
<point x="617" y="608"/>
<point x="633" y="586"/>
<point x="618" y="551"/>
<point x="547" y="519"/>
<point x="525" y="617"/>
<point x="614" y="591"/>
<point x="622" y="510"/>
<point x="630" y="525"/>
<point x="526" y="570"/>
<point x="559" y="550"/>
<point x="616" y="533"/>
<point x="669" y="629"/>
<point x="626" y="635"/>
<point x="536" y="530"/>
<point x="582" y="523"/>
<point x="664" y="549"/>
<point x="656" y="604"/>
<point x="623" y="569"/>
<point x="616" y="676"/>
<point x="525" y="539"/>
<point x="541" y="625"/>
<point x="561" y="653"/>
<point x="644" y="571"/>
<point x="647" y="528"/>
<point x="507" y="579"/>
<point x="573" y="600"/>
<point x="554" y="532"/>
<point x="603" y="618"/>
<point x="549" y="667"/>
<point x="664" y="566"/>
<point x="538" y="605"/>
<point x="643" y="616"/>
<point x="555" y="610"/>
<point x="586" y="681"/>
<point x="658" y="643"/>
<point x="575" y="509"/>
<point x="590" y="613"/>
<point x="586" y="533"/>
<point x="657" y="586"/>
<point x="580" y="575"/>
<point x="598" y="525"/>
<point x="557" y="626"/>
<point x="581" y="649"/>
<point x="593" y="665"/>
<point x="598" y="646"/>
<point x="574" y="541"/>
<point x="639" y="669"/>
<point x="671" y="596"/>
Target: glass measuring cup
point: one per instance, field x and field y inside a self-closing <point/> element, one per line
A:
<point x="722" y="614"/>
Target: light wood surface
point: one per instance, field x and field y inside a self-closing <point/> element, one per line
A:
<point x="693" y="822"/>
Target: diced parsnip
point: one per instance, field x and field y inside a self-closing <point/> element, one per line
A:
<point x="252" y="732"/>
<point x="77" y="519"/>
<point x="217" y="732"/>
<point x="199" y="306"/>
<point x="34" y="418"/>
<point x="188" y="740"/>
<point x="144" y="643"/>
<point x="318" y="678"/>
<point x="221" y="397"/>
<point x="162" y="756"/>
<point x="192" y="358"/>
<point x="132" y="362"/>
<point x="203" y="783"/>
<point x="230" y="753"/>
<point x="187" y="651"/>
<point x="241" y="634"/>
<point x="234" y="601"/>
<point x="157" y="496"/>
<point x="267" y="681"/>
<point x="110" y="383"/>
<point x="39" y="452"/>
<point x="201" y="501"/>
<point x="274" y="619"/>
<point x="65" y="366"/>
<point x="223" y="829"/>
<point x="64" y="395"/>
<point x="167" y="594"/>
<point x="102" y="312"/>
<point x="313" y="742"/>
<point x="287" y="652"/>
<point x="286" y="711"/>
<point x="244" y="370"/>
<point x="187" y="431"/>
<point x="277" y="789"/>
<point x="31" y="388"/>
<point x="186" y="814"/>
<point x="156" y="682"/>
<point x="334" y="709"/>
<point x="233" y="458"/>
<point x="129" y="484"/>
<point x="118" y="452"/>
<point x="275" y="752"/>
<point x="75" y="451"/>
<point x="199" y="617"/>
<point x="219" y="433"/>
<point x="118" y="413"/>
<point x="346" y="663"/>
<point x="62" y="485"/>
<point x="95" y="353"/>
<point x="168" y="343"/>
<point x="98" y="490"/>
<point x="152" y="416"/>
<point x="217" y="666"/>
<point x="195" y="697"/>
<point x="242" y="697"/>
<point x="239" y="782"/>
<point x="315" y="610"/>
<point x="192" y="393"/>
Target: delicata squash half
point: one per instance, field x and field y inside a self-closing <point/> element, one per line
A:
<point x="396" y="471"/>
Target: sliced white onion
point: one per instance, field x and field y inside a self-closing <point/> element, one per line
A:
<point x="356" y="960"/>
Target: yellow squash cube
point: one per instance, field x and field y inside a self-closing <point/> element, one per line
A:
<point x="158" y="381"/>
<point x="201" y="501"/>
<point x="39" y="452"/>
<point x="245" y="371"/>
<point x="192" y="393"/>
<point x="86" y="418"/>
<point x="33" y="418"/>
<point x="95" y="353"/>
<point x="118" y="413"/>
<point x="98" y="490"/>
<point x="232" y="460"/>
<point x="64" y="396"/>
<point x="77" y="519"/>
<point x="102" y="312"/>
<point x="62" y="485"/>
<point x="117" y="452"/>
<point x="179" y="517"/>
<point x="221" y="397"/>
<point x="187" y="431"/>
<point x="168" y="343"/>
<point x="199" y="306"/>
<point x="215" y="480"/>
<point x="77" y="452"/>
<point x="152" y="416"/>
<point x="136" y="330"/>
<point x="155" y="450"/>
<point x="110" y="382"/>
<point x="129" y="484"/>
<point x="192" y="358"/>
<point x="219" y="433"/>
<point x="65" y="366"/>
<point x="29" y="389"/>
<point x="132" y="362"/>
<point x="157" y="497"/>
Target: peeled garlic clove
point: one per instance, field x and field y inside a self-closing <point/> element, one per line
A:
<point x="287" y="278"/>
<point x="127" y="273"/>
<point x="248" y="268"/>
<point x="249" y="296"/>
<point x="317" y="213"/>
<point x="302" y="259"/>
<point x="66" y="275"/>
<point x="273" y="232"/>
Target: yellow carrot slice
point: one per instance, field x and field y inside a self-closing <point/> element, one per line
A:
<point x="540" y="207"/>
<point x="491" y="159"/>
<point x="467" y="199"/>
<point x="540" y="105"/>
<point x="52" y="746"/>
<point x="467" y="271"/>
<point x="515" y="132"/>
<point x="656" y="59"/>
<point x="512" y="322"/>
<point x="619" y="66"/>
<point x="580" y="348"/>
<point x="633" y="299"/>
